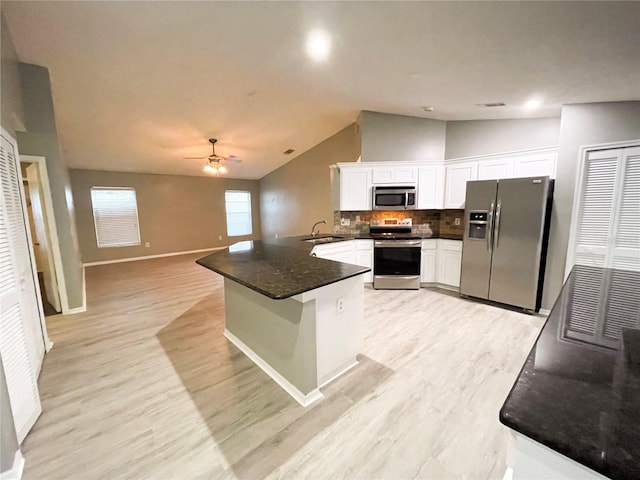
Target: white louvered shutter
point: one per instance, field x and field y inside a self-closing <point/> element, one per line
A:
<point x="21" y="344"/>
<point x="625" y="251"/>
<point x="595" y="214"/>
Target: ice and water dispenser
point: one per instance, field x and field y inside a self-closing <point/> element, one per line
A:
<point x="478" y="224"/>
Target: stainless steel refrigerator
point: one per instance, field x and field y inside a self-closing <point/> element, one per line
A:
<point x="505" y="240"/>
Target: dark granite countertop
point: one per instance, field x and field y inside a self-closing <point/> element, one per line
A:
<point x="279" y="268"/>
<point x="579" y="391"/>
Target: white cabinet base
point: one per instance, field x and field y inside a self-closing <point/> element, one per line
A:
<point x="530" y="460"/>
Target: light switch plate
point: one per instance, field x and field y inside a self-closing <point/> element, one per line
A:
<point x="345" y="222"/>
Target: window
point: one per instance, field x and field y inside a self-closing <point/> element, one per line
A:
<point x="115" y="214"/>
<point x="238" y="207"/>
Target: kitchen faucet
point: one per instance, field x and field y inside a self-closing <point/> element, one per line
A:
<point x="313" y="229"/>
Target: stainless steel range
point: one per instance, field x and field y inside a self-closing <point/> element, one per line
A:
<point x="396" y="256"/>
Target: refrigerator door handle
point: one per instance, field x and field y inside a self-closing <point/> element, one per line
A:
<point x="490" y="230"/>
<point x="497" y="230"/>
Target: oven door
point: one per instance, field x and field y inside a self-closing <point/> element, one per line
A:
<point x="396" y="257"/>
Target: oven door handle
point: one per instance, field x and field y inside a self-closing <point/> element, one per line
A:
<point x="397" y="243"/>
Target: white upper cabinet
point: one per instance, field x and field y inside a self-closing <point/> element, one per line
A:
<point x="430" y="187"/>
<point x="395" y="175"/>
<point x="355" y="188"/>
<point x="495" y="168"/>
<point x="457" y="176"/>
<point x="535" y="164"/>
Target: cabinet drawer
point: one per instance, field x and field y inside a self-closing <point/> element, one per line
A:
<point x="429" y="244"/>
<point x="451" y="245"/>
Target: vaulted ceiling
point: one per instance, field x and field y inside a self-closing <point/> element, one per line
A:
<point x="138" y="86"/>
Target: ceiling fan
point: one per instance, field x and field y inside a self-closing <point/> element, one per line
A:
<point x="215" y="163"/>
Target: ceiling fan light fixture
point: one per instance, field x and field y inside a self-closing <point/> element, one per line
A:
<point x="222" y="169"/>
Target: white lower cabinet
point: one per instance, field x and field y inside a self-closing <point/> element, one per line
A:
<point x="338" y="251"/>
<point x="449" y="262"/>
<point x="364" y="257"/>
<point x="428" y="262"/>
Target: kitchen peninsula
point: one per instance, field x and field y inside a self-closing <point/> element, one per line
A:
<point x="574" y="410"/>
<point x="298" y="317"/>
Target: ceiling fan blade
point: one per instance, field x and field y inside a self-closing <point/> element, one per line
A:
<point x="194" y="158"/>
<point x="233" y="159"/>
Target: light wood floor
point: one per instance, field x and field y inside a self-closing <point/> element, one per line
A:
<point x="144" y="386"/>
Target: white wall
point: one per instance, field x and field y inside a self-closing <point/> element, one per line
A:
<point x="389" y="138"/>
<point x="483" y="137"/>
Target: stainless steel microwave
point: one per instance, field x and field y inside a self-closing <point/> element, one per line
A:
<point x="394" y="198"/>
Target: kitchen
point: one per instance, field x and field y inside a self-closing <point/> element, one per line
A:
<point x="289" y="199"/>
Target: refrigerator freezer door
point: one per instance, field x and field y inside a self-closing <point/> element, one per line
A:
<point x="517" y="246"/>
<point x="476" y="246"/>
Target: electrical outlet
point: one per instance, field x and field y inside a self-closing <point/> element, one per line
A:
<point x="345" y="222"/>
<point x="147" y="244"/>
<point x="456" y="222"/>
<point x="340" y="305"/>
<point x="219" y="237"/>
<point x="276" y="235"/>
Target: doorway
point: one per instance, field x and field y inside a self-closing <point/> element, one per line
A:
<point x="42" y="227"/>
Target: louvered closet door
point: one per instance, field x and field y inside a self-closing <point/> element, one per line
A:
<point x="596" y="209"/>
<point x="21" y="346"/>
<point x="625" y="251"/>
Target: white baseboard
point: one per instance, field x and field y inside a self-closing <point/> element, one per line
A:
<point x="15" y="472"/>
<point x="148" y="257"/>
<point x="544" y="311"/>
<point x="339" y="373"/>
<point x="298" y="396"/>
<point x="83" y="308"/>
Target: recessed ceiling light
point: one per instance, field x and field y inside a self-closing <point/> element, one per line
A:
<point x="318" y="45"/>
<point x="533" y="103"/>
<point x="428" y="108"/>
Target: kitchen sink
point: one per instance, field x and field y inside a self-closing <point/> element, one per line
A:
<point x="322" y="239"/>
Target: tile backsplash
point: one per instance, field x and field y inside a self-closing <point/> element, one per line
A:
<point x="425" y="222"/>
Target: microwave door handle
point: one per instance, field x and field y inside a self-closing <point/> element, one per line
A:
<point x="406" y="200"/>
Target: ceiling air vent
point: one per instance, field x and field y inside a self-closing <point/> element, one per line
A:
<point x="289" y="151"/>
<point x="489" y="105"/>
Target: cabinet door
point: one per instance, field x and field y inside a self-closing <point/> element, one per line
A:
<point x="449" y="262"/>
<point x="364" y="258"/>
<point x="457" y="177"/>
<point x="394" y="175"/>
<point x="428" y="266"/>
<point x="495" y="169"/>
<point x="430" y="187"/>
<point x="383" y="175"/>
<point x="355" y="189"/>
<point x="536" y="165"/>
<point x="407" y="175"/>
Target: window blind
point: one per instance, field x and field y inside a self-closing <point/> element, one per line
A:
<point x="115" y="214"/>
<point x="238" y="210"/>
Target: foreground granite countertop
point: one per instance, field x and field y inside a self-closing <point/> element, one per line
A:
<point x="579" y="390"/>
<point x="280" y="268"/>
